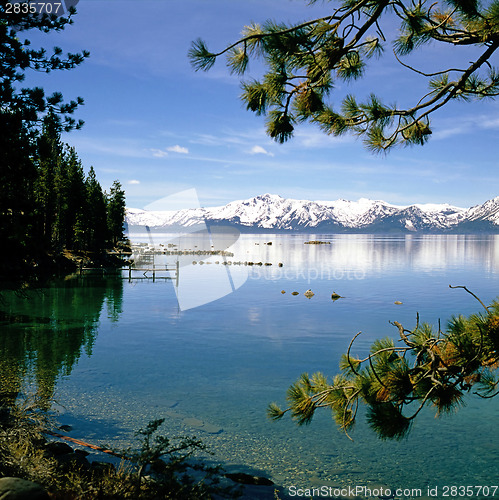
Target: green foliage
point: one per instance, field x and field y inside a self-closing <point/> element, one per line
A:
<point x="44" y="199"/>
<point x="396" y="382"/>
<point x="96" y="212"/>
<point x="154" y="447"/>
<point x="255" y="96"/>
<point x="238" y="60"/>
<point x="116" y="206"/>
<point x="31" y="104"/>
<point x="280" y="125"/>
<point x="304" y="60"/>
<point x="200" y="56"/>
<point x="72" y="210"/>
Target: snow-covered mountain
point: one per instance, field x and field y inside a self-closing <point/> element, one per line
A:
<point x="273" y="213"/>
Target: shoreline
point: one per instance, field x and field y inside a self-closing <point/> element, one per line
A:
<point x="39" y="460"/>
<point x="45" y="267"/>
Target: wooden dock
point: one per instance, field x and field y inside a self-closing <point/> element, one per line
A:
<point x="149" y="272"/>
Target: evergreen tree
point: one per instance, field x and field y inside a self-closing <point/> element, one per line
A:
<point x="95" y="214"/>
<point x="116" y="212"/>
<point x="22" y="114"/>
<point x="76" y="200"/>
<point x="49" y="159"/>
<point x="17" y="204"/>
<point x="304" y="61"/>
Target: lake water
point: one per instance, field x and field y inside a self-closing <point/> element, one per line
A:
<point x="210" y="351"/>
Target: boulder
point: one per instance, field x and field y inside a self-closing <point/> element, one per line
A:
<point x="57" y="448"/>
<point x="14" y="488"/>
<point x="102" y="468"/>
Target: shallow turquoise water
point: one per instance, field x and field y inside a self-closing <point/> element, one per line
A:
<point x="116" y="354"/>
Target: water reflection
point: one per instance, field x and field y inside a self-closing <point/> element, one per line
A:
<point x="223" y="362"/>
<point x="370" y="253"/>
<point x="361" y="252"/>
<point x="44" y="332"/>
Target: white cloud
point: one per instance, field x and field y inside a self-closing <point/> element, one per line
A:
<point x="178" y="149"/>
<point x="491" y="123"/>
<point x="465" y="125"/>
<point x="311" y="137"/>
<point x="255" y="150"/>
<point x="161" y="153"/>
<point x="134" y="181"/>
<point x="158" y="153"/>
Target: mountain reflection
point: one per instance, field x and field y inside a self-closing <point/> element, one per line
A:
<point x="372" y="253"/>
<point x="44" y="332"/>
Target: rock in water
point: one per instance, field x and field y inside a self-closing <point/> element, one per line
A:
<point x="241" y="477"/>
<point x="309" y="294"/>
<point x="13" y="488"/>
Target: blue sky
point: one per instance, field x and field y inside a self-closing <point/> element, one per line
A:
<point x="160" y="127"/>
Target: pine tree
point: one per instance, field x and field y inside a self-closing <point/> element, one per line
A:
<point x="305" y="61"/>
<point x="17" y="204"/>
<point x="116" y="212"/>
<point x="76" y="199"/>
<point x="49" y="153"/>
<point x="96" y="214"/>
<point x="25" y="225"/>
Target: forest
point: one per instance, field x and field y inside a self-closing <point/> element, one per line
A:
<point x="52" y="213"/>
<point x="54" y="210"/>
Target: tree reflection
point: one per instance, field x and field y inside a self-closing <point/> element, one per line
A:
<point x="44" y="332"/>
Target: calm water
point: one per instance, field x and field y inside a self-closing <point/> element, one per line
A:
<point x="116" y="353"/>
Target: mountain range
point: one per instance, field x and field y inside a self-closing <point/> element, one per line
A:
<point x="272" y="213"/>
